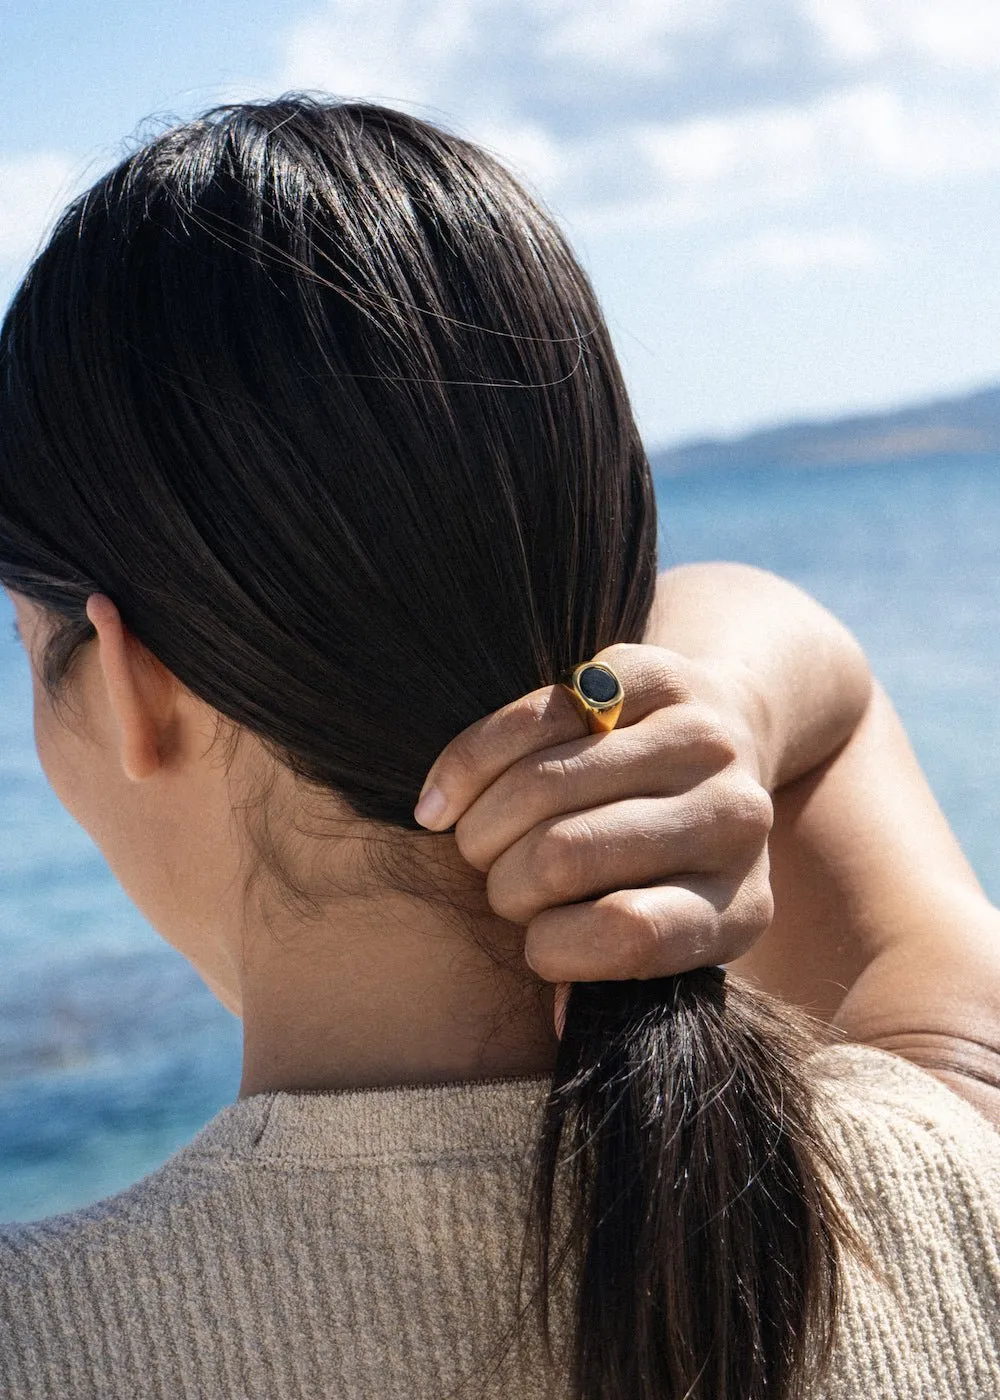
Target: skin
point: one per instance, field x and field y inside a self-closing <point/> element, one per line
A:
<point x="880" y="923"/>
<point x="380" y="990"/>
<point x="383" y="988"/>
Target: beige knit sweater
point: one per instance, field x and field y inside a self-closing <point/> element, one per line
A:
<point x="360" y="1246"/>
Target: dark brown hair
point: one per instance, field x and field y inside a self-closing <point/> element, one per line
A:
<point x="323" y="401"/>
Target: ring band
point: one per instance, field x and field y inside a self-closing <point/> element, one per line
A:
<point x="598" y="692"/>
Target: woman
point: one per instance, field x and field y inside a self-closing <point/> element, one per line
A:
<point x="313" y="452"/>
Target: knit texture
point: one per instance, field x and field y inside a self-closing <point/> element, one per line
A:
<point x="364" y="1246"/>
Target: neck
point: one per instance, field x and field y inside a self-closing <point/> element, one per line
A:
<point x="391" y="990"/>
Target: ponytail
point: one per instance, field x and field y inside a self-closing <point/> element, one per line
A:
<point x="679" y="1195"/>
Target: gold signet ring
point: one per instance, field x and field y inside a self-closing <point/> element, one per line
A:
<point x="598" y="693"/>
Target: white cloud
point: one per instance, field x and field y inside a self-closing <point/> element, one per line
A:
<point x="721" y="141"/>
<point x="916" y="141"/>
<point x="528" y="149"/>
<point x="846" y="29"/>
<point x="959" y="34"/>
<point x="790" y="147"/>
<point x="771" y="147"/>
<point x="483" y="56"/>
<point x="790" y="254"/>
<point x="453" y="52"/>
<point x="420" y="50"/>
<point x="393" y="49"/>
<point x="632" y="36"/>
<point x="33" y="188"/>
<point x="781" y="155"/>
<point x="510" y="73"/>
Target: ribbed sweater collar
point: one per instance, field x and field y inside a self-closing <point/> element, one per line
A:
<point x="409" y="1123"/>
<point x="476" y="1117"/>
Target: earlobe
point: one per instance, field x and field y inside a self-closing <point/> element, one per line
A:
<point x="123" y="661"/>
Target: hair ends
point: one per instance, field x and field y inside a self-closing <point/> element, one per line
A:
<point x="682" y="1223"/>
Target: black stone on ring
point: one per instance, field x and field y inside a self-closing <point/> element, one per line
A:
<point x="597" y="684"/>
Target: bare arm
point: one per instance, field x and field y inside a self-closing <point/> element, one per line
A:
<point x="803" y="679"/>
<point x="880" y="923"/>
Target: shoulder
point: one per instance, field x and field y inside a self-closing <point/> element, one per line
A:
<point x="191" y="1180"/>
<point x="922" y="1188"/>
<point x="139" y="1221"/>
<point x="873" y="1083"/>
<point x="136" y="1228"/>
<point x="909" y="1141"/>
<point x="85" y="1295"/>
<point x="72" y="1286"/>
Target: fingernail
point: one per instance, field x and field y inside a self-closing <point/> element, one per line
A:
<point x="431" y="808"/>
<point x="559" y="1007"/>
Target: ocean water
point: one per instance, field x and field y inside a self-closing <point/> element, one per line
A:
<point x="111" y="1051"/>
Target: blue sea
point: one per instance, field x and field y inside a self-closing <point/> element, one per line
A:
<point x="112" y="1053"/>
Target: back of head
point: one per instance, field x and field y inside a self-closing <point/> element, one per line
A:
<point x="320" y="398"/>
<point x="325" y="380"/>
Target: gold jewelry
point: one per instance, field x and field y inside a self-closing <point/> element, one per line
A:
<point x="598" y="693"/>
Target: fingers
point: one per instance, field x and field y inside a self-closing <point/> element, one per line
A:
<point x="646" y="933"/>
<point x="638" y="853"/>
<point x="668" y="752"/>
<point x="720" y="826"/>
<point x="651" y="677"/>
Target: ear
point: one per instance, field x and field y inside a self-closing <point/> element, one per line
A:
<point x="141" y="692"/>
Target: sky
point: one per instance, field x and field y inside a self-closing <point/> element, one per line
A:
<point x="788" y="207"/>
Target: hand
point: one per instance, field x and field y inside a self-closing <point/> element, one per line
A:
<point x="635" y="854"/>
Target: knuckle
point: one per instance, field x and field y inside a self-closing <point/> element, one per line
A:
<point x="758" y="906"/>
<point x="473" y="845"/>
<point x="621" y="655"/>
<point x="549" y="771"/>
<point x="538" y="711"/>
<point x="669" y="676"/>
<point x="654" y="671"/>
<point x="506" y="896"/>
<point x="634" y="930"/>
<point x="697" y="735"/>
<point x="463" y="756"/>
<point x="745" y="807"/>
<point x="545" y="957"/>
<point x="555" y="716"/>
<point x="747" y="919"/>
<point x="754" y="806"/>
<point x="711" y="737"/>
<point x="762" y="911"/>
<point x="557" y="859"/>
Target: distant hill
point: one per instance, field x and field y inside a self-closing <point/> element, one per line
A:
<point x="941" y="428"/>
